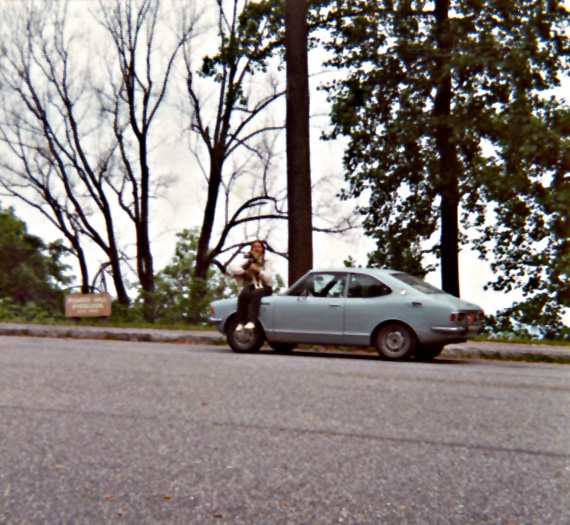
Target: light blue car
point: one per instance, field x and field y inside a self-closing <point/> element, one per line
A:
<point x="397" y="313"/>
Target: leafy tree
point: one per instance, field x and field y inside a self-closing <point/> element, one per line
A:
<point x="180" y="296"/>
<point x="30" y="270"/>
<point x="538" y="318"/>
<point x="453" y="126"/>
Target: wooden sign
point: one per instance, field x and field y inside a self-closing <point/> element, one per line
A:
<point x="88" y="305"/>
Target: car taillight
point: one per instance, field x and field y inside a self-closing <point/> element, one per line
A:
<point x="472" y="317"/>
<point x="212" y="311"/>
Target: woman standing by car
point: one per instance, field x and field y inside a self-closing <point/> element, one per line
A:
<point x="255" y="276"/>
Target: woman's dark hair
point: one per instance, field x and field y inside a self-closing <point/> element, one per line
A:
<point x="260" y="242"/>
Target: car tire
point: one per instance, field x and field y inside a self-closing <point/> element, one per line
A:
<point x="427" y="353"/>
<point x="244" y="341"/>
<point x="395" y="341"/>
<point x="283" y="348"/>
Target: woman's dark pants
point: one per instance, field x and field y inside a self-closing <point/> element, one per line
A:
<point x="249" y="302"/>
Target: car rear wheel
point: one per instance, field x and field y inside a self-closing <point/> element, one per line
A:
<point x="243" y="341"/>
<point x="427" y="353"/>
<point x="283" y="348"/>
<point x="395" y="341"/>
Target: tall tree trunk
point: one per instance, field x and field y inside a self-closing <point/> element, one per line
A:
<point x="448" y="163"/>
<point x="449" y="245"/>
<point x="83" y="270"/>
<point x="122" y="296"/>
<point x="202" y="259"/>
<point x="300" y="243"/>
<point x="144" y="255"/>
<point x="114" y="256"/>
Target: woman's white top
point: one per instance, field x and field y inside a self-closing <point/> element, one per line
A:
<point x="266" y="273"/>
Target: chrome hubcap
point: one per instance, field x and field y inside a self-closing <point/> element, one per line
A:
<point x="244" y="338"/>
<point x="395" y="341"/>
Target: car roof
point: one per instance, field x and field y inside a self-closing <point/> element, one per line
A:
<point x="385" y="275"/>
<point x="379" y="272"/>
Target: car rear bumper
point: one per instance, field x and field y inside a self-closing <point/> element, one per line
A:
<point x="463" y="331"/>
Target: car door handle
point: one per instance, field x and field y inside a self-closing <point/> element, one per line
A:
<point x="334" y="305"/>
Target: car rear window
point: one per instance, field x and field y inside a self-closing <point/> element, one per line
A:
<point x="417" y="283"/>
<point x="364" y="286"/>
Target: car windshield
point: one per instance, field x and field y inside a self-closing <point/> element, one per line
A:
<point x="417" y="283"/>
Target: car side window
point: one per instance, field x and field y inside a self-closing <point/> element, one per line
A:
<point x="331" y="285"/>
<point x="364" y="286"/>
<point x="321" y="285"/>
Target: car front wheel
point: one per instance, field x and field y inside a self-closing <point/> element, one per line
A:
<point x="395" y="341"/>
<point x="244" y="340"/>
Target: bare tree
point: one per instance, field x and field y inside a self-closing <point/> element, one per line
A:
<point x="79" y="133"/>
<point x="134" y="103"/>
<point x="51" y="167"/>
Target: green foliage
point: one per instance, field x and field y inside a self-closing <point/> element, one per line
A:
<point x="508" y="135"/>
<point x="11" y="311"/>
<point x="31" y="273"/>
<point x="180" y="297"/>
<point x="251" y="43"/>
<point x="400" y="256"/>
<point x="279" y="285"/>
<point x="260" y="35"/>
<point x="29" y="312"/>
<point x="537" y="318"/>
<point x="350" y="262"/>
<point x="131" y="314"/>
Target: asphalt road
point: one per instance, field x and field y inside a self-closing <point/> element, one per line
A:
<point x="119" y="432"/>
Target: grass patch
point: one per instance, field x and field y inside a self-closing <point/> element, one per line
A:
<point x="527" y="358"/>
<point x="111" y="323"/>
<point x="519" y="340"/>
